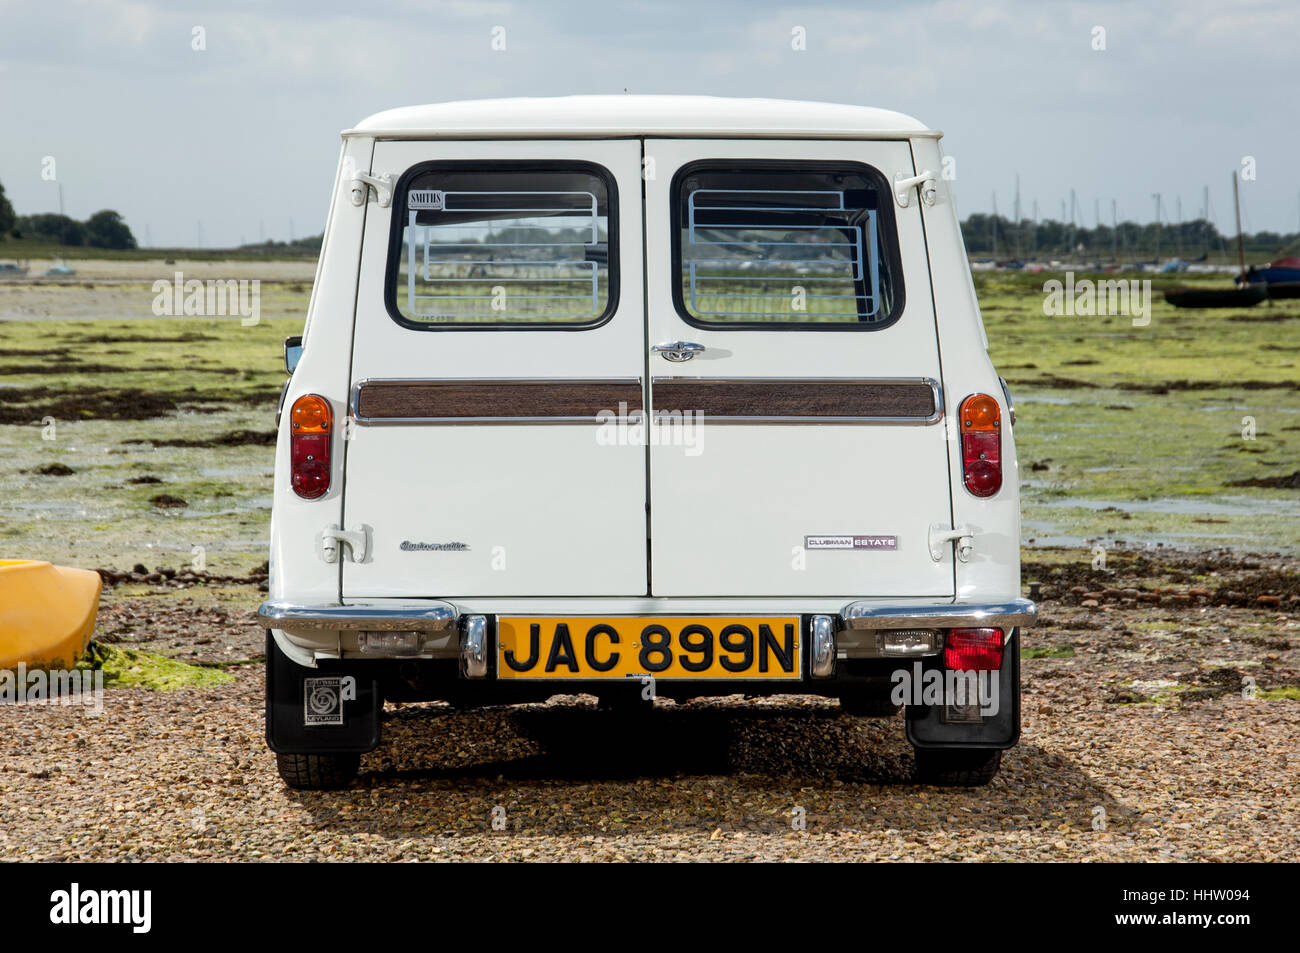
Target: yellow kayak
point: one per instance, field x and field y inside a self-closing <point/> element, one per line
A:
<point x="47" y="613"/>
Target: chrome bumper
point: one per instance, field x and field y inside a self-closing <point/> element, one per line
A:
<point x="873" y="631"/>
<point x="862" y="635"/>
<point x="1006" y="615"/>
<point x="306" y="621"/>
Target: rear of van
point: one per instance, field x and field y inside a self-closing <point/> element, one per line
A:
<point x="662" y="392"/>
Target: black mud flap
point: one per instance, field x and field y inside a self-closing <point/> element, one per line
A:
<point x="951" y="726"/>
<point x="331" y="709"/>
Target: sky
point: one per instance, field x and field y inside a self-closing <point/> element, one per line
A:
<point x="239" y="140"/>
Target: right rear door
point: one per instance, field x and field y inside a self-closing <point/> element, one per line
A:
<point x="810" y="458"/>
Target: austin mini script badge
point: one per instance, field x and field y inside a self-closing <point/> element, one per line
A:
<point x="410" y="547"/>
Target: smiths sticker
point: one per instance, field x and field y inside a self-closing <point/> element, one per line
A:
<point x="850" y="542"/>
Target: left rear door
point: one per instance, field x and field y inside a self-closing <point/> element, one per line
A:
<point x="499" y="312"/>
<point x="791" y="321"/>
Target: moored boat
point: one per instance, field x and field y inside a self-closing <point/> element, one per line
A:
<point x="1282" y="271"/>
<point x="1284" y="289"/>
<point x="1245" y="296"/>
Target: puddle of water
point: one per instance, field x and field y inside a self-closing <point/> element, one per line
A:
<point x="1043" y="533"/>
<point x="43" y="509"/>
<point x="1050" y="539"/>
<point x="236" y="471"/>
<point x="250" y="506"/>
<point x="1193" y="506"/>
<point x="1047" y="399"/>
<point x="1047" y="535"/>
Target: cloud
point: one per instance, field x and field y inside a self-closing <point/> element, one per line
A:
<point x="245" y="131"/>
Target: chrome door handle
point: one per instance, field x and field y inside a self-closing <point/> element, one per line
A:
<point x="677" y="351"/>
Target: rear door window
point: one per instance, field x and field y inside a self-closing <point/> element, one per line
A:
<point x="789" y="245"/>
<point x="498" y="246"/>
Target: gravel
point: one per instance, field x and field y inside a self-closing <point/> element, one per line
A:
<point x="1141" y="746"/>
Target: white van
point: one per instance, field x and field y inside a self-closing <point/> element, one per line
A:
<point x="643" y="396"/>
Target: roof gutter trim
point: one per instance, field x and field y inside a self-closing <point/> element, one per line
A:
<point x="899" y="135"/>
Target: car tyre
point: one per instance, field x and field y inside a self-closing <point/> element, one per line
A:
<point x="957" y="767"/>
<point x="318" y="772"/>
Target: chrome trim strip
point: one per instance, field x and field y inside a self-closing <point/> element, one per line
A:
<point x="864" y="615"/>
<point x="903" y="421"/>
<point x="305" y="620"/>
<point x="354" y="398"/>
<point x="1011" y="404"/>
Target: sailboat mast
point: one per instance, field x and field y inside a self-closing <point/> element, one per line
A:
<point x="994" y="227"/>
<point x="1114" y="232"/>
<point x="1241" y="251"/>
<point x="1156" y="196"/>
<point x="1178" y="227"/>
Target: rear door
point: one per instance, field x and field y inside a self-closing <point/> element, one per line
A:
<point x="794" y="368"/>
<point x="499" y="312"/>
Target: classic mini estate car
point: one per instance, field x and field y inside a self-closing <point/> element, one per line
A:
<point x="637" y="397"/>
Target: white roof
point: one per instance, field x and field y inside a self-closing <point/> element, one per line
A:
<point x="628" y="116"/>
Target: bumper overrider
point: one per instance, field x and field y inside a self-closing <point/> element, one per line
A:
<point x="861" y="630"/>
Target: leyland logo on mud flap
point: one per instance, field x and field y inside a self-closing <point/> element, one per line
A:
<point x="323" y="698"/>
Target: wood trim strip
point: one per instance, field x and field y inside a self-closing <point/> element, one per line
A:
<point x="911" y="400"/>
<point x="523" y="399"/>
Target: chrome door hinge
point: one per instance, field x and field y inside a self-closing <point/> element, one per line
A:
<point x="941" y="536"/>
<point x="333" y="539"/>
<point x="362" y="183"/>
<point x="927" y="182"/>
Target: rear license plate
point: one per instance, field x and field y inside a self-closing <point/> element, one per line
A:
<point x="586" y="647"/>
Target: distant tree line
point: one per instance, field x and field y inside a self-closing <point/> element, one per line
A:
<point x="1131" y="240"/>
<point x="102" y="230"/>
<point x="273" y="249"/>
<point x="7" y="217"/>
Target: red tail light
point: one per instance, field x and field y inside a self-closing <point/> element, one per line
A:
<point x="311" y="425"/>
<point x="981" y="444"/>
<point x="974" y="650"/>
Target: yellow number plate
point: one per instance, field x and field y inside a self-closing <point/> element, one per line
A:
<point x="580" y="647"/>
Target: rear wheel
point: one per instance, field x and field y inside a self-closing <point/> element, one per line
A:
<point x="957" y="767"/>
<point x="318" y="772"/>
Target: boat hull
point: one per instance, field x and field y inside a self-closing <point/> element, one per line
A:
<point x="1274" y="274"/>
<point x="47" y="614"/>
<point x="1243" y="297"/>
<point x="1284" y="289"/>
